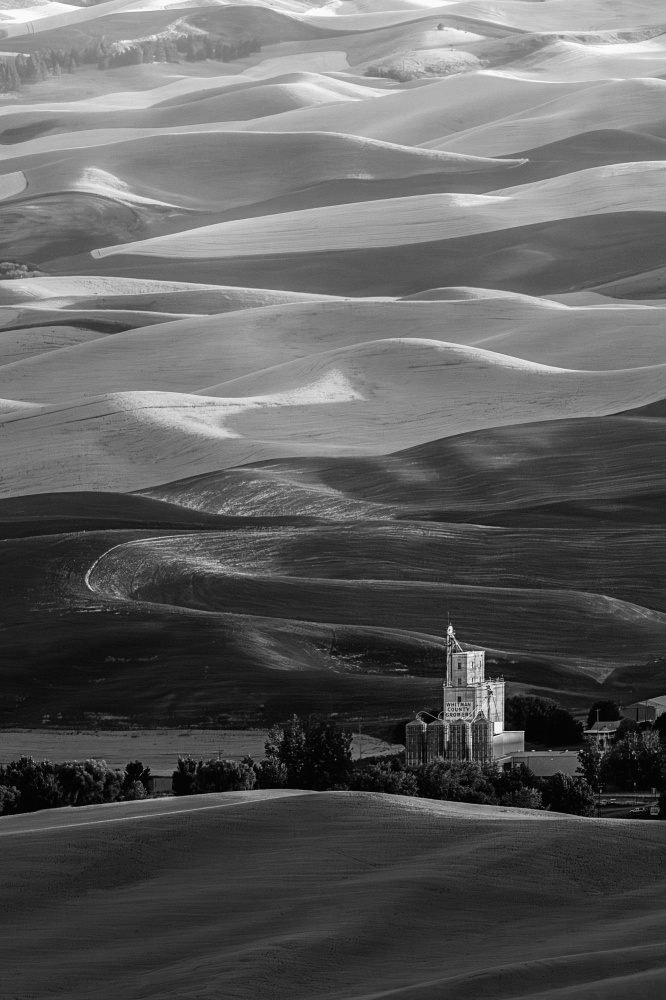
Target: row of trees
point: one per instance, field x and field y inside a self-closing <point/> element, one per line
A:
<point x="12" y="270"/>
<point x="546" y="723"/>
<point x="42" y="64"/>
<point x="317" y="755"/>
<point x="27" y="785"/>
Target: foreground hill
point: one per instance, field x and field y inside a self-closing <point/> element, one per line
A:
<point x="330" y="896"/>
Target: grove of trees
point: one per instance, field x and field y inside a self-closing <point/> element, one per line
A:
<point x="542" y="720"/>
<point x="27" y="785"/>
<point x="41" y="64"/>
<point x="316" y="754"/>
<point x="635" y="759"/>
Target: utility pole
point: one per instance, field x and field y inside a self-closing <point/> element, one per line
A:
<point x="360" y="741"/>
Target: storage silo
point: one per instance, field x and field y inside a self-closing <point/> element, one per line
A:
<point x="436" y="739"/>
<point x="482" y="747"/>
<point x="415" y="742"/>
<point x="459" y="740"/>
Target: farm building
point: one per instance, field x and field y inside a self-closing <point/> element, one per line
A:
<point x="602" y="733"/>
<point x="545" y="763"/>
<point x="646" y="711"/>
<point x="471" y="723"/>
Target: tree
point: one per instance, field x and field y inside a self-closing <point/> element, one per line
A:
<point x="510" y="782"/>
<point x="637" y="760"/>
<point x="626" y="727"/>
<point x="27" y="785"/>
<point x="193" y="777"/>
<point x="608" y="712"/>
<point x="388" y="776"/>
<point x="225" y="776"/>
<point x="526" y="712"/>
<point x="21" y="67"/>
<point x="136" y="783"/>
<point x="10" y="798"/>
<point x="523" y="798"/>
<point x="659" y="727"/>
<point x="182" y="780"/>
<point x="89" y="782"/>
<point x="561" y="728"/>
<point x="11" y="270"/>
<point x="455" y="781"/>
<point x="316" y="754"/>
<point x="271" y="773"/>
<point x="171" y="51"/>
<point x="542" y="720"/>
<point x="36" y="783"/>
<point x="566" y="794"/>
<point x="590" y="758"/>
<point x="9" y="78"/>
<point x="327" y="754"/>
<point x="286" y="745"/>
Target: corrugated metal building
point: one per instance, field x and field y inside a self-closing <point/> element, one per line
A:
<point x="471" y="723"/>
<point x="545" y="763"/>
<point x="646" y="711"/>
